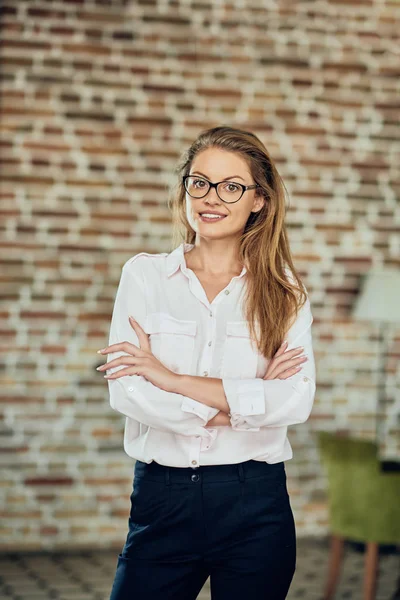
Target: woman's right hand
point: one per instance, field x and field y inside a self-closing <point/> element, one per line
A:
<point x="285" y="363"/>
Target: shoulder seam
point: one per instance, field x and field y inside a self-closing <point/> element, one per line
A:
<point x="136" y="256"/>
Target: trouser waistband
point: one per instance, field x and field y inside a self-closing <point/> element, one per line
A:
<point x="227" y="472"/>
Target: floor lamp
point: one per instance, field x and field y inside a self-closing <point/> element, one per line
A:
<point x="379" y="302"/>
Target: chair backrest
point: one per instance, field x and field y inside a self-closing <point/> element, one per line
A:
<point x="364" y="502"/>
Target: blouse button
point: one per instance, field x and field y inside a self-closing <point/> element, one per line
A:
<point x="209" y="343"/>
<point x="205" y="373"/>
<point x="210" y="314"/>
<point x="194" y="462"/>
<point x="305" y="378"/>
<point x="226" y="292"/>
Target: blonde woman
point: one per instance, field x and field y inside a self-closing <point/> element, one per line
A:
<point x="210" y="359"/>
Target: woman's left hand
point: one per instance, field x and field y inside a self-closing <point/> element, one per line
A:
<point x="139" y="361"/>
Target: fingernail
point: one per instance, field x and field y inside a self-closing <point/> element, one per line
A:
<point x="132" y="319"/>
<point x="106" y="376"/>
<point x="100" y="351"/>
<point x="98" y="368"/>
<point x="284" y="342"/>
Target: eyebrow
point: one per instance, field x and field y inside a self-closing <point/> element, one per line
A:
<point x="226" y="178"/>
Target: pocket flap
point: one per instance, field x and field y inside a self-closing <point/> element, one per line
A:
<point x="165" y="323"/>
<point x="238" y="328"/>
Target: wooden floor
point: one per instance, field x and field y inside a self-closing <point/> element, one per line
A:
<point x="88" y="575"/>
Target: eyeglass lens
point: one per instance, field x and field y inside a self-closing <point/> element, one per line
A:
<point x="227" y="190"/>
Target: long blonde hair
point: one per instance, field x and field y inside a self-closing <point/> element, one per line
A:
<point x="272" y="295"/>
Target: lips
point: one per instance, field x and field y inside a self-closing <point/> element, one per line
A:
<point x="210" y="212"/>
<point x="215" y="219"/>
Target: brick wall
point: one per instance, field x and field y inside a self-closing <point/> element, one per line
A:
<point x="99" y="98"/>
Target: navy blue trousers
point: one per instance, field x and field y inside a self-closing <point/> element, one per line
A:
<point x="233" y="523"/>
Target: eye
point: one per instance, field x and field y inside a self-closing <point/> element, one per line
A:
<point x="199" y="183"/>
<point x="231" y="187"/>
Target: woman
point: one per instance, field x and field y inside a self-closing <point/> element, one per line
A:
<point x="208" y="385"/>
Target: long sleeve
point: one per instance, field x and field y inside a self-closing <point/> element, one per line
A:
<point x="256" y="403"/>
<point x="133" y="395"/>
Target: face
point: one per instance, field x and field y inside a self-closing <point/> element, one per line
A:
<point x="216" y="165"/>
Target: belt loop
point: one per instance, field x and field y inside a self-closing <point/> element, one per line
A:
<point x="166" y="475"/>
<point x="241" y="471"/>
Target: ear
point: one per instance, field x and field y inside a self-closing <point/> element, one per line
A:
<point x="258" y="203"/>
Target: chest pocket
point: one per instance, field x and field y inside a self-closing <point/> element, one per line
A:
<point x="171" y="340"/>
<point x="239" y="359"/>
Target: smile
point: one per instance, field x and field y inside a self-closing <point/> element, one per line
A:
<point x="209" y="218"/>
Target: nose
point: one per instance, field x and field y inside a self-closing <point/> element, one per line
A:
<point x="213" y="196"/>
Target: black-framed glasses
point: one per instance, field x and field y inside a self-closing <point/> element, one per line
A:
<point x="228" y="191"/>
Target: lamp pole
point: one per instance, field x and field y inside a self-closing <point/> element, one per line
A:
<point x="386" y="465"/>
<point x="380" y="403"/>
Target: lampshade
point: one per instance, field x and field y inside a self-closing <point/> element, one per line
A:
<point x="379" y="298"/>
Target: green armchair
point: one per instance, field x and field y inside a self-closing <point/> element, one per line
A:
<point x="364" y="504"/>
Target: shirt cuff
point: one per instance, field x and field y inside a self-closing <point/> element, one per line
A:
<point x="205" y="443"/>
<point x="239" y="424"/>
<point x="245" y="397"/>
<point x="198" y="408"/>
<point x="204" y="412"/>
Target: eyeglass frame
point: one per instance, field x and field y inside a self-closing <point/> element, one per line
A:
<point x="214" y="185"/>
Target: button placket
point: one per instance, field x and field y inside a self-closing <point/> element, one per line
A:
<point x="195" y="447"/>
<point x="208" y="353"/>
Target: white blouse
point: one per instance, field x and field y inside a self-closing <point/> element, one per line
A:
<point x="190" y="335"/>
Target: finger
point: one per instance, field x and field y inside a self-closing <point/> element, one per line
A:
<point x="122" y="373"/>
<point x="290" y="362"/>
<point x="286" y="356"/>
<point x="121" y="346"/>
<point x="282" y="374"/>
<point x="276" y="372"/>
<point x="278" y="367"/>
<point x="289" y="372"/>
<point x="282" y="357"/>
<point x="141" y="334"/>
<point x="293" y="351"/>
<point x="281" y="348"/>
<point x="121" y="360"/>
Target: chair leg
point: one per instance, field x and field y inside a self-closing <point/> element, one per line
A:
<point x="371" y="570"/>
<point x="335" y="563"/>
